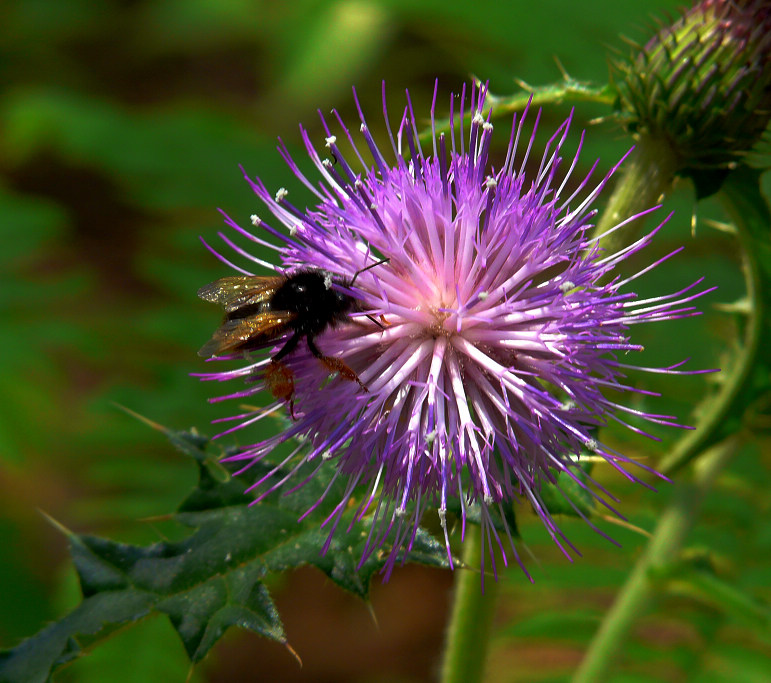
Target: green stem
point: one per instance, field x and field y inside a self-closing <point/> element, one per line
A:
<point x="736" y="386"/>
<point x="468" y="633"/>
<point x="646" y="176"/>
<point x="663" y="548"/>
<point x="568" y="90"/>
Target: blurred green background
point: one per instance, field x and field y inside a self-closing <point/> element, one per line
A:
<point x="122" y="125"/>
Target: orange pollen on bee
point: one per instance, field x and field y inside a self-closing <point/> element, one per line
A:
<point x="279" y="381"/>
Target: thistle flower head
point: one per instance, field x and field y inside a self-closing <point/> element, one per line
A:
<point x="487" y="342"/>
<point x="702" y="85"/>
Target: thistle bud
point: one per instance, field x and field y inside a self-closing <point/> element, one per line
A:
<point x="702" y="87"/>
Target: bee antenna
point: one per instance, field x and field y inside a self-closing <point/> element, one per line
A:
<point x="371" y="265"/>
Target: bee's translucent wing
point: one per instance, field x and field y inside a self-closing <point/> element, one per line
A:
<point x="242" y="334"/>
<point x="238" y="291"/>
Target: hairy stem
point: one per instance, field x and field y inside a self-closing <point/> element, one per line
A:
<point x="646" y="176"/>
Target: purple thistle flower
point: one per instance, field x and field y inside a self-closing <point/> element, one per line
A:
<point x="503" y="327"/>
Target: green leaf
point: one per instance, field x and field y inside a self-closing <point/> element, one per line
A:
<point x="696" y="578"/>
<point x="96" y="617"/>
<point x="215" y="577"/>
<point x="546" y="623"/>
<point x="570" y="494"/>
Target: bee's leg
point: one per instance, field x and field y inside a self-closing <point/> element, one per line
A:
<point x="382" y="323"/>
<point x="287" y="348"/>
<point x="279" y="380"/>
<point x="335" y="365"/>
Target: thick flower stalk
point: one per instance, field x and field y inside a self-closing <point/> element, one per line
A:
<point x="492" y="343"/>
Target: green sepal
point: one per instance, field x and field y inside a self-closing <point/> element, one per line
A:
<point x="503" y="517"/>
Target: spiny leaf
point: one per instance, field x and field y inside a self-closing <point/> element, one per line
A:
<point x="213" y="578"/>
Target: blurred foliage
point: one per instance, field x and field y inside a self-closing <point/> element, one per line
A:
<point x="122" y="125"/>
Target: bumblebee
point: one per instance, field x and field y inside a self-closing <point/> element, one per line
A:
<point x="259" y="310"/>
